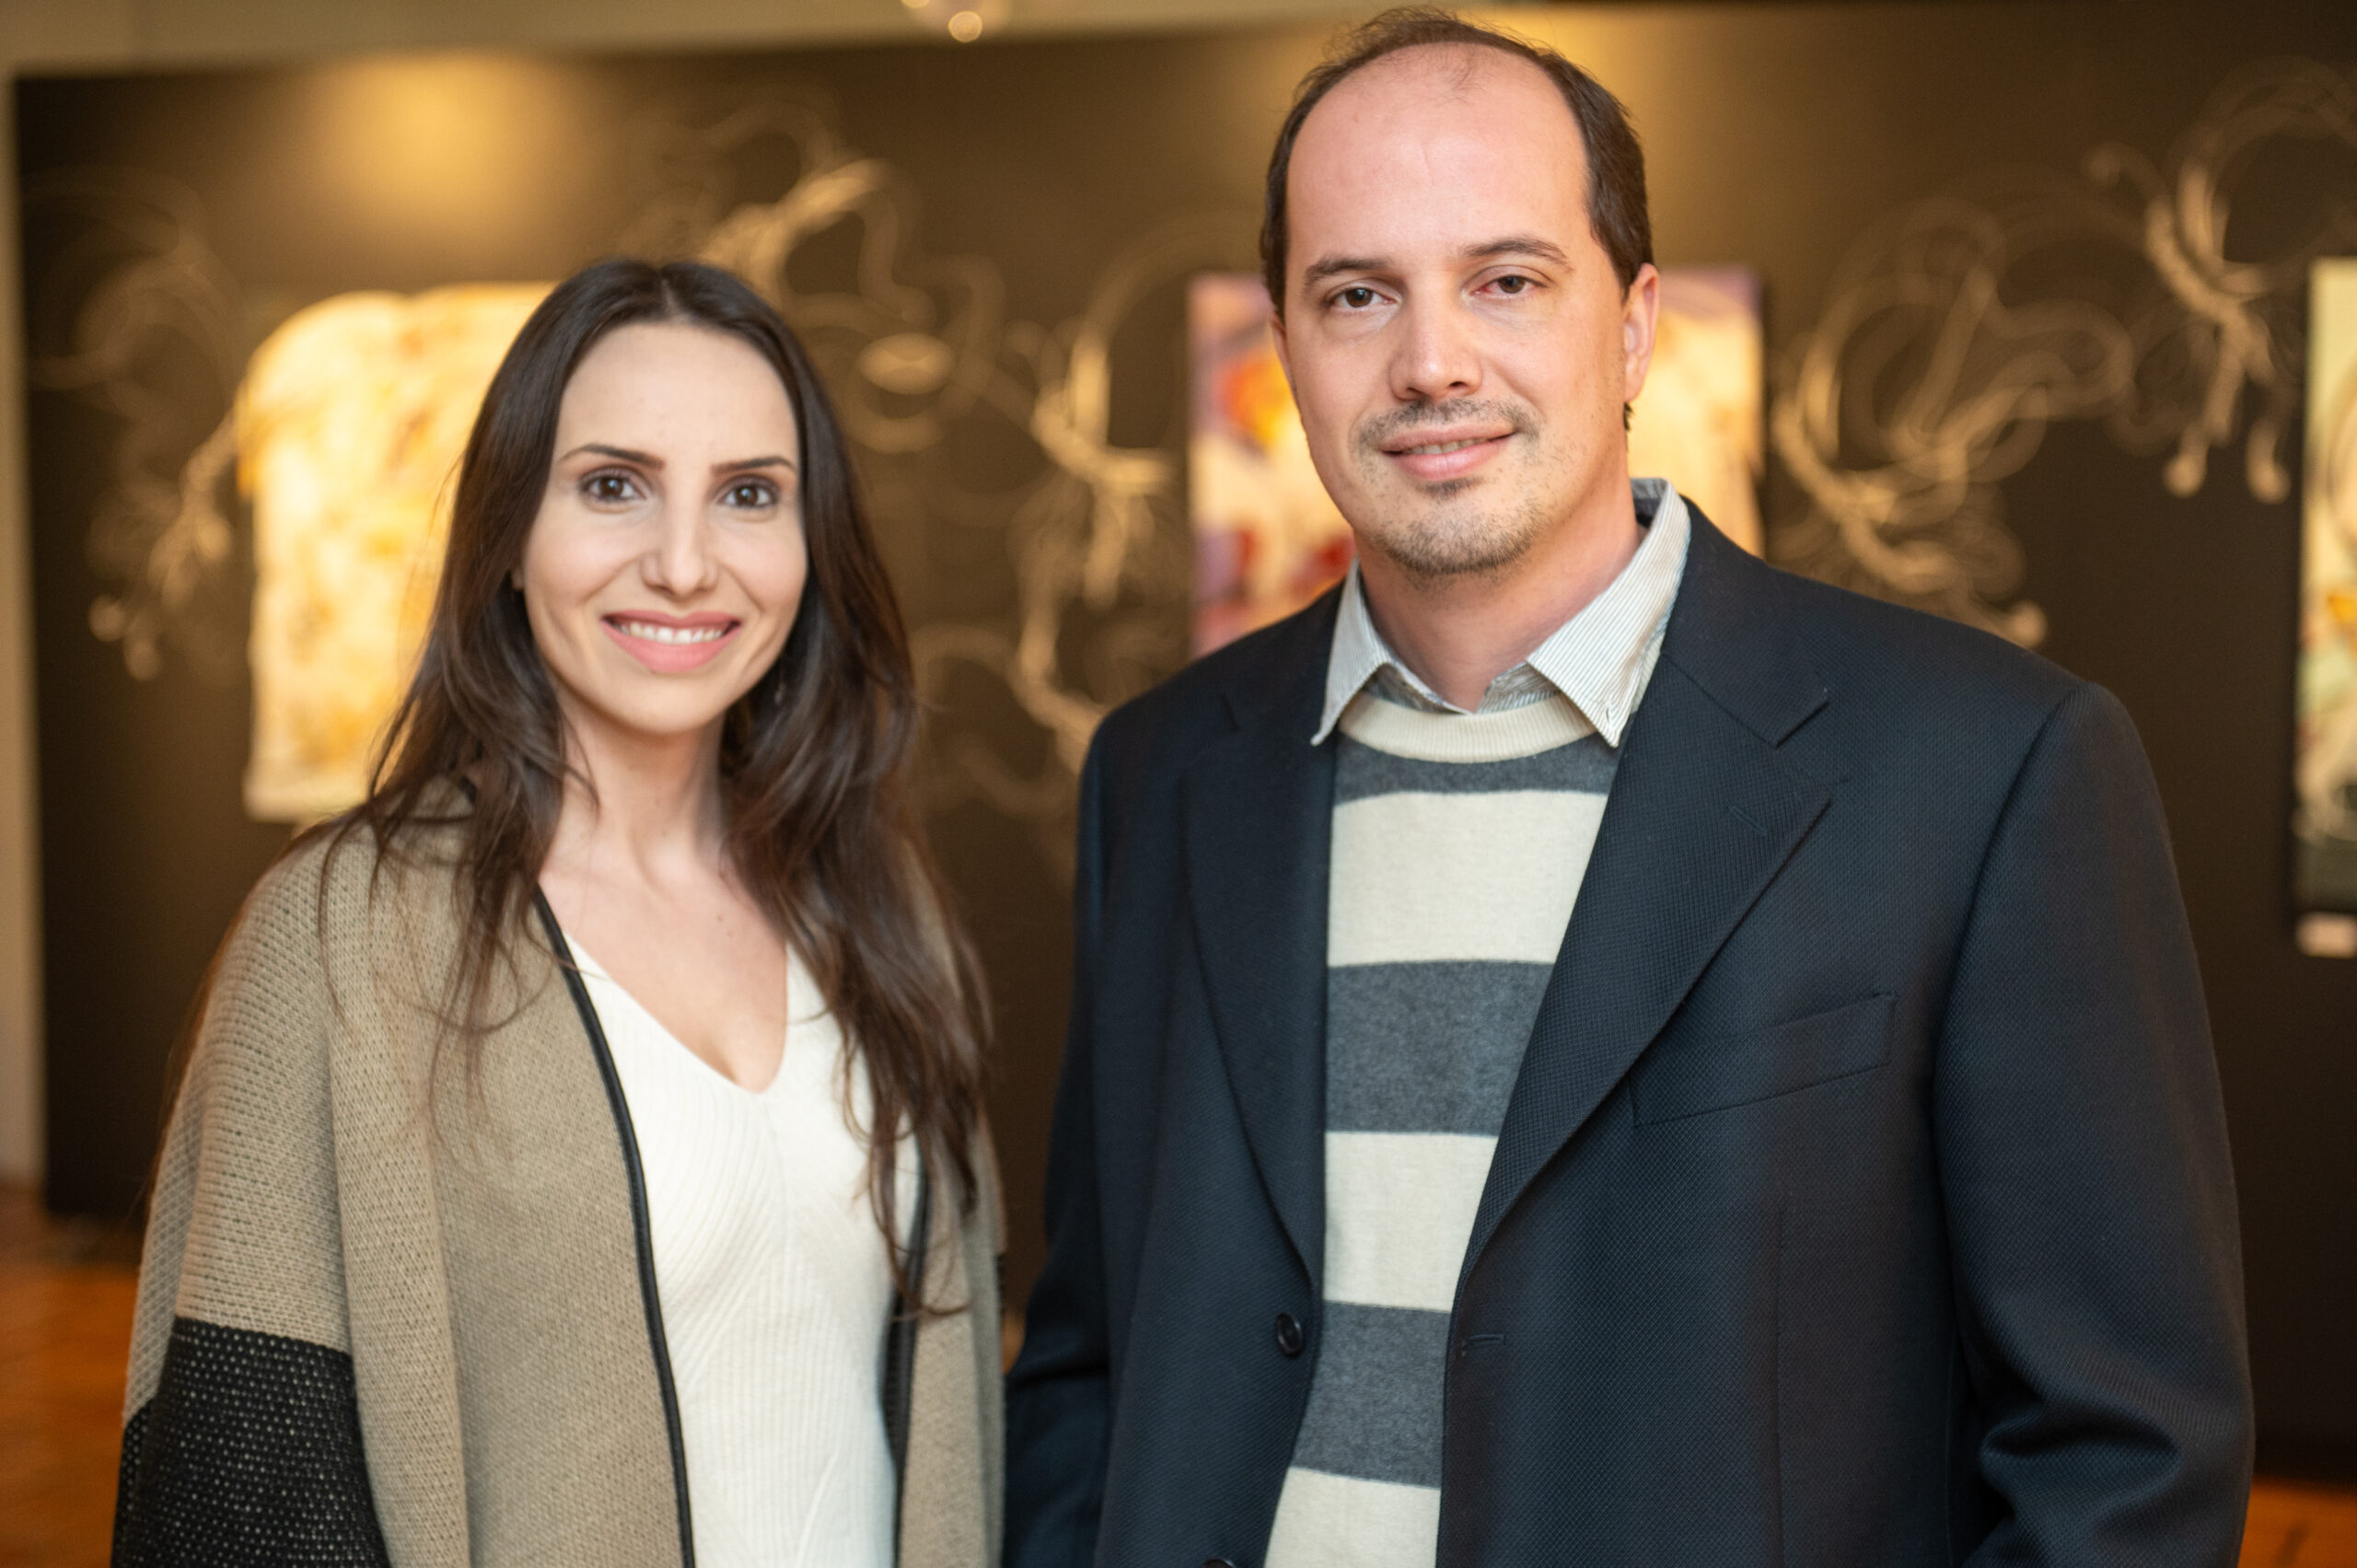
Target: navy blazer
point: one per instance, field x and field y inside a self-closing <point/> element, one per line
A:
<point x="1864" y="1197"/>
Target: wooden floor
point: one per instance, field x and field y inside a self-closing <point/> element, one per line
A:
<point x="65" y="1299"/>
<point x="65" y="1294"/>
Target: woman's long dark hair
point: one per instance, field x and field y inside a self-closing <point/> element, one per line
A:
<point x="822" y="830"/>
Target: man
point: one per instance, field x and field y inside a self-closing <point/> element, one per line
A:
<point x="1587" y="1048"/>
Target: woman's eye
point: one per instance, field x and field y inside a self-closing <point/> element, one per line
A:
<point x="750" y="494"/>
<point x="610" y="488"/>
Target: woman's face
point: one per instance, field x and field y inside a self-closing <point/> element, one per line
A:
<point x="663" y="571"/>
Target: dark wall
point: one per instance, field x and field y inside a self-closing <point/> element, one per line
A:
<point x="1780" y="136"/>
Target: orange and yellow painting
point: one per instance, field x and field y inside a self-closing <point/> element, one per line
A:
<point x="2325" y="819"/>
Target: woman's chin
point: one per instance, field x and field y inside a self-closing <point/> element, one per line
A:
<point x="675" y="717"/>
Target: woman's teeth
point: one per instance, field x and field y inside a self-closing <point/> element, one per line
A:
<point x="654" y="634"/>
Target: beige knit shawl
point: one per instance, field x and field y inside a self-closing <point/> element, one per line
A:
<point x="473" y="1249"/>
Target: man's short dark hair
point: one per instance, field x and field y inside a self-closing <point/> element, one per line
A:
<point x="1615" y="163"/>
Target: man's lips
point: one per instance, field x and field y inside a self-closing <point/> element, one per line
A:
<point x="1433" y="456"/>
<point x="671" y="645"/>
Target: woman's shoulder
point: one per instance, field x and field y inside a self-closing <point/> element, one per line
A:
<point x="347" y="888"/>
<point x="344" y="871"/>
<point x="342" y="926"/>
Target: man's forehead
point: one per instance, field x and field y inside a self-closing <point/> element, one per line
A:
<point x="1440" y="77"/>
<point x="1452" y="141"/>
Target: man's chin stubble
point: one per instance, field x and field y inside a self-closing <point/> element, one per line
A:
<point x="1436" y="548"/>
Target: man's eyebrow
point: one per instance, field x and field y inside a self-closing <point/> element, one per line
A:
<point x="1326" y="267"/>
<point x="1520" y="245"/>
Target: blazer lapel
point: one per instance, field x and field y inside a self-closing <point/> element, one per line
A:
<point x="1258" y="813"/>
<point x="1704" y="813"/>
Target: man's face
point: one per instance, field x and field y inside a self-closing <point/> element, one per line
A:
<point x="1456" y="337"/>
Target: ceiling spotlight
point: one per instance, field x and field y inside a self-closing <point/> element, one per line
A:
<point x="964" y="20"/>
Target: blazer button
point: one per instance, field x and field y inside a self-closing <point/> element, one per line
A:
<point x="1289" y="1338"/>
<point x="1217" y="1563"/>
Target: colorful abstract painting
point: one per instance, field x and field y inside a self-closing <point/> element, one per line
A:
<point x="2325" y="819"/>
<point x="1267" y="539"/>
<point x="1698" y="422"/>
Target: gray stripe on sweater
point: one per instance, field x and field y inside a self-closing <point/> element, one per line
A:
<point x="1585" y="766"/>
<point x="1426" y="1047"/>
<point x="1375" y="1405"/>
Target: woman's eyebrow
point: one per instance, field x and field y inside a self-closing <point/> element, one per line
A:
<point x="648" y="459"/>
<point x="645" y="459"/>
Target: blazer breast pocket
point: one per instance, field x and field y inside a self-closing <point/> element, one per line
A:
<point x="1691" y="1077"/>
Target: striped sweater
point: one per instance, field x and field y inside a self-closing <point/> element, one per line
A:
<point x="1459" y="842"/>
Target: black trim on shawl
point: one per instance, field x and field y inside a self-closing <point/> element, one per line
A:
<point x="899" y="1383"/>
<point x="642" y="1230"/>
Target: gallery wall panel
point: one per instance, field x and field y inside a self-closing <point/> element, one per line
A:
<point x="990" y="249"/>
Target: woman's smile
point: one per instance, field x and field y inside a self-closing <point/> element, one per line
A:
<point x="671" y="645"/>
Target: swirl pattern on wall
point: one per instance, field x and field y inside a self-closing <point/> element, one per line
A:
<point x="1965" y="325"/>
<point x="140" y="318"/>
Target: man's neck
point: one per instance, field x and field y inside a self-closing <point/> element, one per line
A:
<point x="1459" y="633"/>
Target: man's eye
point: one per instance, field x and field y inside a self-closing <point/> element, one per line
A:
<point x="1513" y="282"/>
<point x="1357" y="299"/>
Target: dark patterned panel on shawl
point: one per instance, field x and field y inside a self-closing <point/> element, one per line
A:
<point x="248" y="1454"/>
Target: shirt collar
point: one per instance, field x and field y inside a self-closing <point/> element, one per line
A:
<point x="1600" y="659"/>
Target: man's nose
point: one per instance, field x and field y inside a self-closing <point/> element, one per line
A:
<point x="1436" y="358"/>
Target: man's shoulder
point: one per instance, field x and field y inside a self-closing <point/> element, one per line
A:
<point x="1870" y="644"/>
<point x="1904" y="689"/>
<point x="1216" y="695"/>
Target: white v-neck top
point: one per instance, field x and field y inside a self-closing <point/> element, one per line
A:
<point x="774" y="1282"/>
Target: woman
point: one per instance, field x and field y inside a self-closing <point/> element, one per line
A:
<point x="581" y="1158"/>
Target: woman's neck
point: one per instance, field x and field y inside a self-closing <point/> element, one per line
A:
<point x="650" y="807"/>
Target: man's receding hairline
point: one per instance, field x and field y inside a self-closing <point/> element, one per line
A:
<point x="1615" y="181"/>
<point x="1467" y="68"/>
<point x="1472" y="59"/>
<point x="1470" y="66"/>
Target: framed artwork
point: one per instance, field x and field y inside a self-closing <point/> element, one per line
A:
<point x="2324" y="820"/>
<point x="347" y="430"/>
<point x="1268" y="539"/>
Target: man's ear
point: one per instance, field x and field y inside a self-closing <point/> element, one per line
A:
<point x="1285" y="350"/>
<point x="1640" y="314"/>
